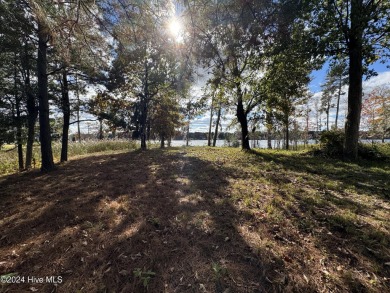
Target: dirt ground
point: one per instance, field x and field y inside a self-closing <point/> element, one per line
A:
<point x="163" y="221"/>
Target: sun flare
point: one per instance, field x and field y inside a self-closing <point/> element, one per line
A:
<point x="176" y="29"/>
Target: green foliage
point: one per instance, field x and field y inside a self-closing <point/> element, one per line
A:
<point x="144" y="276"/>
<point x="331" y="143"/>
<point x="219" y="270"/>
<point x="166" y="117"/>
<point x="231" y="140"/>
<point x="374" y="151"/>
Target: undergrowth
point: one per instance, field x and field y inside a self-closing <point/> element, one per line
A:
<point x="9" y="156"/>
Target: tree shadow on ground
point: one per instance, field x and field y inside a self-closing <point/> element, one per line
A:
<point x="337" y="222"/>
<point x="155" y="221"/>
<point x="369" y="177"/>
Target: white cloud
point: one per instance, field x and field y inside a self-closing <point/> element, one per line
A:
<point x="381" y="79"/>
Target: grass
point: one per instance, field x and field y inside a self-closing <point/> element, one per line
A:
<point x="9" y="156"/>
<point x="200" y="220"/>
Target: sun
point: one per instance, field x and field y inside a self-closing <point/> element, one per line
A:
<point x="176" y="29"/>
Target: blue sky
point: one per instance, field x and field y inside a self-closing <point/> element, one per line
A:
<point x="319" y="75"/>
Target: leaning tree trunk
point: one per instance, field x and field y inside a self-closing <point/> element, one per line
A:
<point x="242" y="119"/>
<point x="44" y="121"/>
<point x="216" y="126"/>
<point x="355" y="86"/>
<point x="66" y="113"/>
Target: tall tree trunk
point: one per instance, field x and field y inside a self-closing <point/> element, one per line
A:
<point x="100" y="128"/>
<point x="32" y="114"/>
<point x="217" y="125"/>
<point x="242" y="119"/>
<point x="327" y="116"/>
<point x="66" y="113"/>
<point x="355" y="52"/>
<point x="268" y="118"/>
<point x="19" y="135"/>
<point x="211" y="121"/>
<point x="287" y="135"/>
<point x="269" y="140"/>
<point x="144" y="107"/>
<point x="143" y="126"/>
<point x="18" y="118"/>
<point x="44" y="121"/>
<point x="188" y="134"/>
<point x="78" y="110"/>
<point x="338" y="101"/>
<point x="32" y="110"/>
<point x="18" y="129"/>
<point x="162" y="144"/>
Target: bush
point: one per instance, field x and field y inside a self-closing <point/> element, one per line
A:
<point x="373" y="151"/>
<point x="331" y="143"/>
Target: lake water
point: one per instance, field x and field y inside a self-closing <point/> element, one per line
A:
<point x="221" y="143"/>
<point x="259" y="143"/>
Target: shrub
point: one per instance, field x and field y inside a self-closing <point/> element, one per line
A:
<point x="372" y="151"/>
<point x="331" y="143"/>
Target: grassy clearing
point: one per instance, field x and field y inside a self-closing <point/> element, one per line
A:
<point x="329" y="221"/>
<point x="9" y="156"/>
<point x="200" y="220"/>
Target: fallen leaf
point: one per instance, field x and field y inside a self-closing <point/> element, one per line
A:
<point x="306" y="279"/>
<point x="123" y="273"/>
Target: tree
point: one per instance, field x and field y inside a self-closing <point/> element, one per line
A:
<point x="336" y="78"/>
<point x="112" y="110"/>
<point x="165" y="117"/>
<point x="360" y="30"/>
<point x="376" y="112"/>
<point x="50" y="18"/>
<point x="287" y="76"/>
<point x="18" y="46"/>
<point x="147" y="58"/>
<point x="191" y="107"/>
<point x="41" y="10"/>
<point x="228" y="40"/>
<point x="80" y="53"/>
